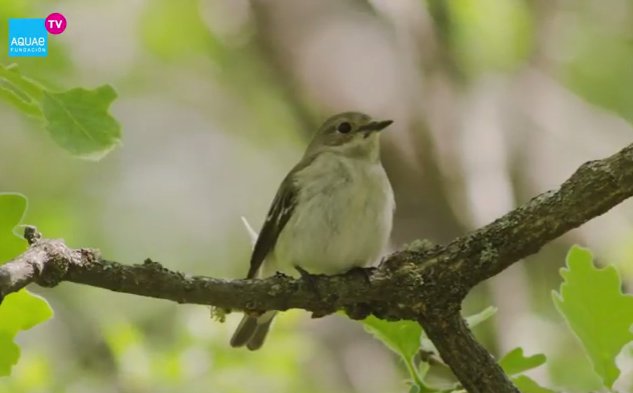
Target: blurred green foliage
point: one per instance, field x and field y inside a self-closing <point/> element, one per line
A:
<point x="598" y="59"/>
<point x="168" y="43"/>
<point x="490" y="35"/>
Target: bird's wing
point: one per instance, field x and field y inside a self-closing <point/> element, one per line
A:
<point x="278" y="215"/>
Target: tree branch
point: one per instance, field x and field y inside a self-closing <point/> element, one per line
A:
<point x="459" y="346"/>
<point x="425" y="285"/>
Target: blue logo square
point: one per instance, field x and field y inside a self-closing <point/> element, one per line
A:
<point x="27" y="37"/>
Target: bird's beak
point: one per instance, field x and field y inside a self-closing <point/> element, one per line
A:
<point x="374" y="126"/>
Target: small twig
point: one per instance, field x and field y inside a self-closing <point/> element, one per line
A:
<point x="31" y="234"/>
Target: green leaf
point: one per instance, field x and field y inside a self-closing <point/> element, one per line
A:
<point x="406" y="337"/>
<point x="22" y="310"/>
<point x="596" y="310"/>
<point x="78" y="120"/>
<point x="9" y="353"/>
<point x="12" y="209"/>
<point x="402" y="337"/>
<point x="19" y="311"/>
<point x="515" y="362"/>
<point x="528" y="385"/>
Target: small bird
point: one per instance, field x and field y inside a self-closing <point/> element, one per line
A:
<point x="332" y="212"/>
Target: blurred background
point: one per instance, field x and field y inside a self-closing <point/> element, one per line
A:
<point x="494" y="101"/>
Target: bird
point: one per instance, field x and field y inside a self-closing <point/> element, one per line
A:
<point x="332" y="212"/>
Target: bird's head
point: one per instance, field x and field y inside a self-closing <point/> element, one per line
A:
<point x="351" y="134"/>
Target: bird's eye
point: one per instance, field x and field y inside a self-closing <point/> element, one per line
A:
<point x="344" y="127"/>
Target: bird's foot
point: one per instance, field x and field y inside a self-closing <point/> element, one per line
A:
<point x="303" y="272"/>
<point x="365" y="272"/>
<point x="309" y="278"/>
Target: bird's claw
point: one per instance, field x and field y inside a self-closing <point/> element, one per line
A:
<point x="309" y="278"/>
<point x="363" y="271"/>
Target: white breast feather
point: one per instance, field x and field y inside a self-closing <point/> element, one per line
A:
<point x="339" y="222"/>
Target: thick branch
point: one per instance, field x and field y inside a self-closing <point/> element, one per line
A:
<point x="471" y="363"/>
<point x="424" y="285"/>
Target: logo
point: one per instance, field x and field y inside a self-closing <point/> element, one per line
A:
<point x="28" y="37"/>
<point x="55" y="23"/>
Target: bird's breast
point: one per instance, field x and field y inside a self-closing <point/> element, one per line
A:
<point x="342" y="218"/>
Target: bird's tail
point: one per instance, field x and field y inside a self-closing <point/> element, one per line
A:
<point x="252" y="331"/>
